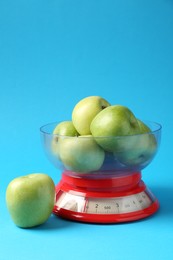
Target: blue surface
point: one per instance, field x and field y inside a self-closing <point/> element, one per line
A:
<point x="52" y="54"/>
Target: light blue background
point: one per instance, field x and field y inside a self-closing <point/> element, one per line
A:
<point x="52" y="54"/>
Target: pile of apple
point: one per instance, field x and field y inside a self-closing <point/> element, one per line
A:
<point x="98" y="130"/>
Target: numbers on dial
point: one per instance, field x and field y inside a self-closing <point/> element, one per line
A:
<point x="119" y="205"/>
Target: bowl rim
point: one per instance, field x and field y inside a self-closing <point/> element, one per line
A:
<point x="158" y="127"/>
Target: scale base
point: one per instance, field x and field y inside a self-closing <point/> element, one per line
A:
<point x="119" y="199"/>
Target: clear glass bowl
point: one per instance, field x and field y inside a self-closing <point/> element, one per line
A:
<point x="97" y="157"/>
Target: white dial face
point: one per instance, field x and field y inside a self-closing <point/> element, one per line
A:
<point x="117" y="205"/>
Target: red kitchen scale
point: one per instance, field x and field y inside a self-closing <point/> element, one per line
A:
<point x="114" y="194"/>
<point x="107" y="200"/>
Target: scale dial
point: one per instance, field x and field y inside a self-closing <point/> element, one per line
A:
<point x="112" y="200"/>
<point x="116" y="205"/>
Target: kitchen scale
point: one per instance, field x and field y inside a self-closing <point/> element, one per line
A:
<point x="115" y="193"/>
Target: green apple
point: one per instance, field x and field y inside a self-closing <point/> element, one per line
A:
<point x="30" y="199"/>
<point x="143" y="149"/>
<point x="112" y="123"/>
<point x="143" y="127"/>
<point x="65" y="128"/>
<point x="84" y="112"/>
<point x="81" y="154"/>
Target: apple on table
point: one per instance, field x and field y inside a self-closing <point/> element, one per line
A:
<point x="30" y="199"/>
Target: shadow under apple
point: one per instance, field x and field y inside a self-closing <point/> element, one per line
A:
<point x="53" y="223"/>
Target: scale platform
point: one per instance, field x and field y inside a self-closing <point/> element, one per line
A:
<point x="118" y="198"/>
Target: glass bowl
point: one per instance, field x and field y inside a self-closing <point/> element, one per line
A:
<point x="97" y="157"/>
